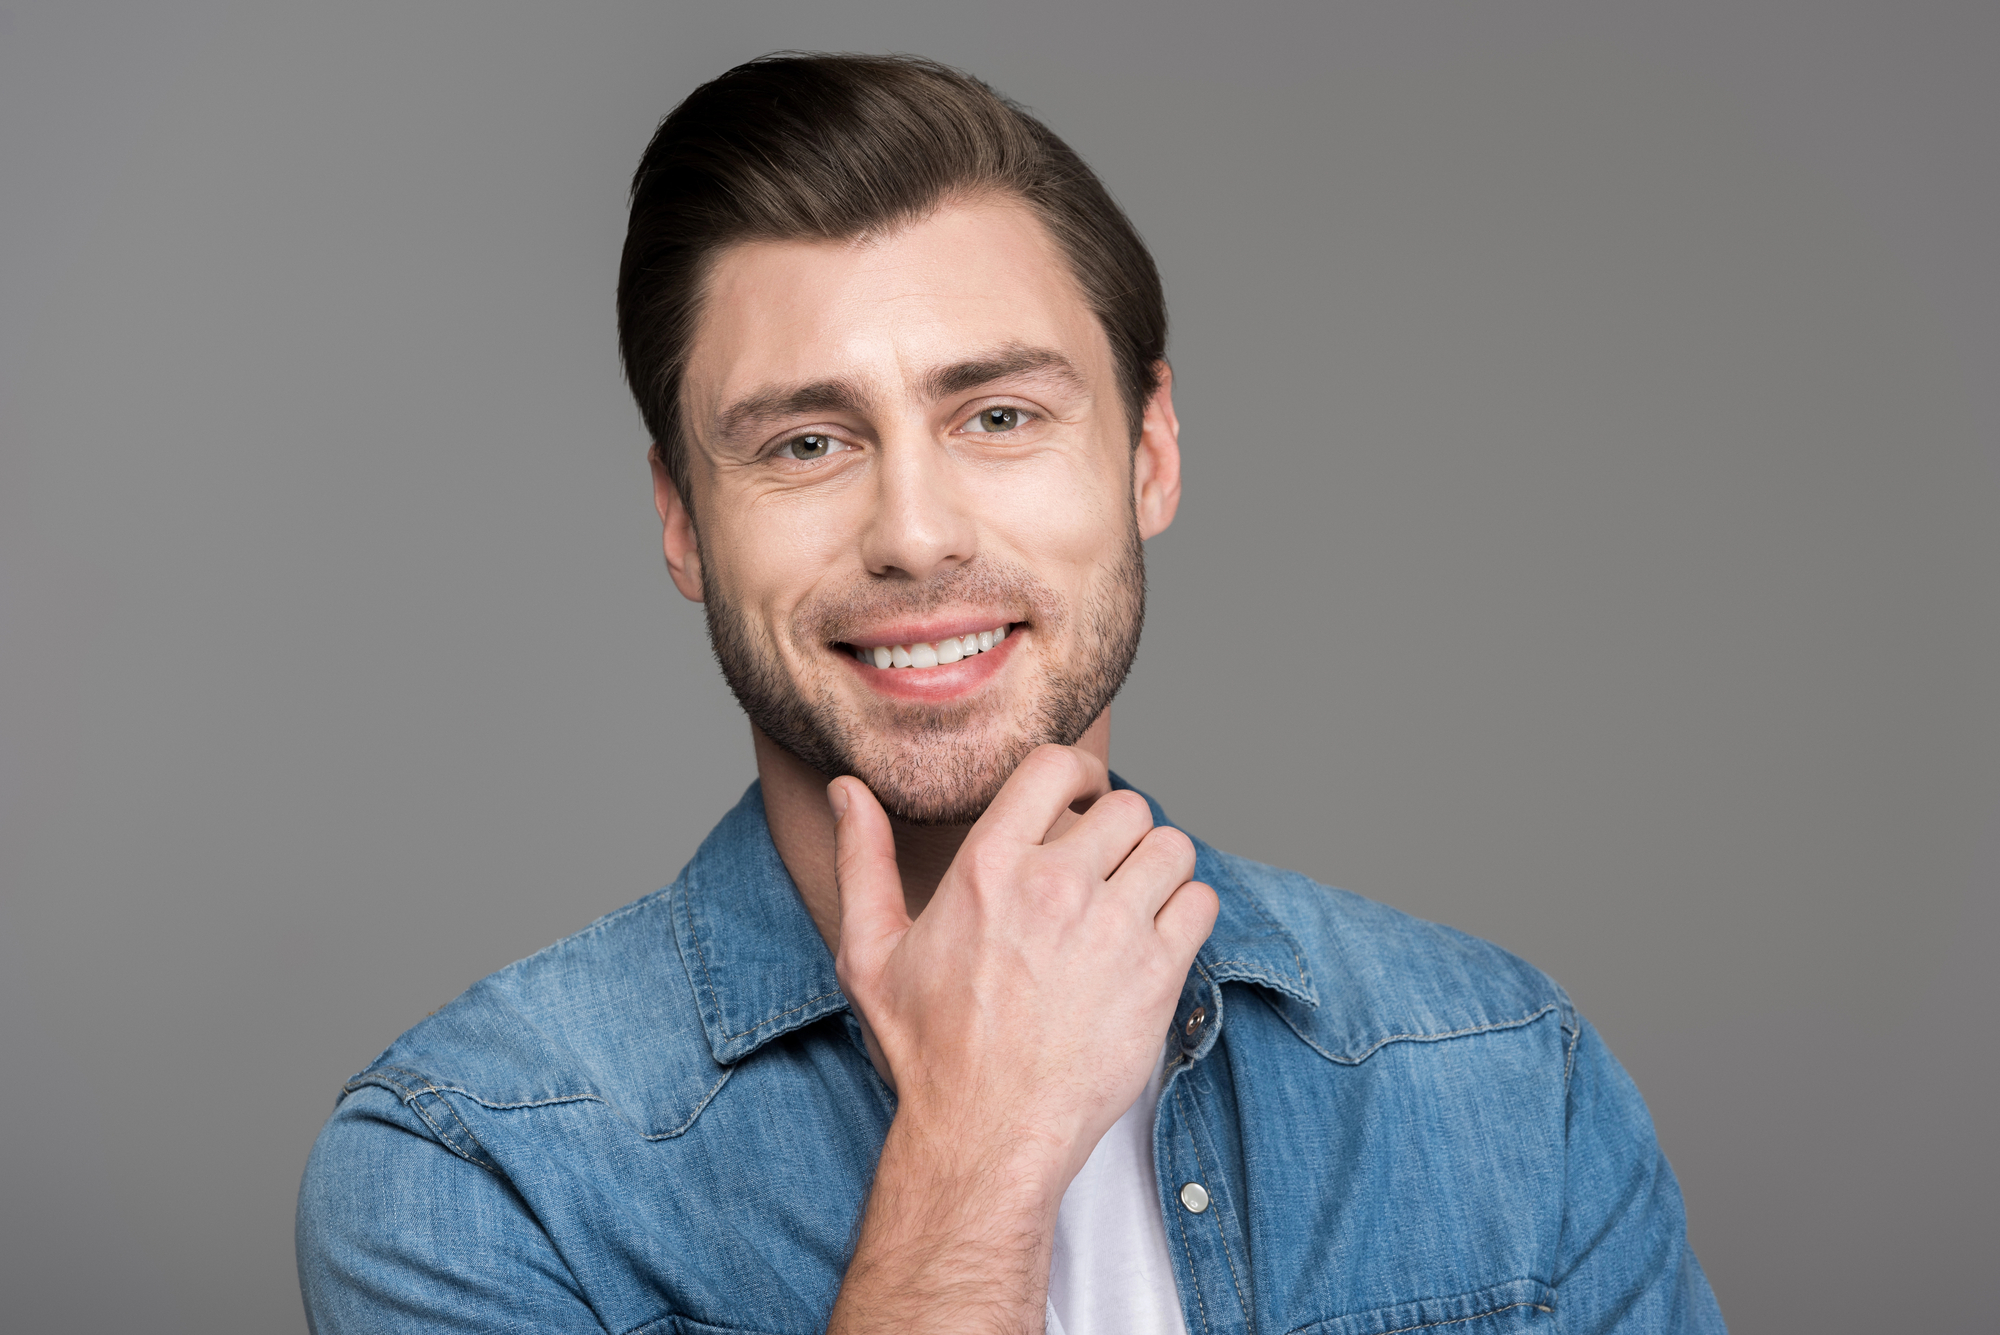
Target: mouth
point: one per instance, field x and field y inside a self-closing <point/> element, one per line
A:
<point x="920" y="655"/>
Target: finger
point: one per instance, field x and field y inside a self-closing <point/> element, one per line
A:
<point x="872" y="913"/>
<point x="1041" y="788"/>
<point x="1161" y="864"/>
<point x="1186" y="919"/>
<point x="1108" y="833"/>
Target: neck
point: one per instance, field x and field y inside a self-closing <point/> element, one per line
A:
<point x="802" y="828"/>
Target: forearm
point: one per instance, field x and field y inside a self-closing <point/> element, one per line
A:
<point x="955" y="1237"/>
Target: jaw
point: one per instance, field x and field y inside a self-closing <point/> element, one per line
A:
<point x="934" y="743"/>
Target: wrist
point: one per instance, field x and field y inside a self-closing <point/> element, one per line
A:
<point x="1009" y="1174"/>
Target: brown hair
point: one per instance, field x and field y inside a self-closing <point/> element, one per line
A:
<point x="797" y="146"/>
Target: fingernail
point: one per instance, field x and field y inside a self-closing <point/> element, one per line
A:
<point x="836" y="794"/>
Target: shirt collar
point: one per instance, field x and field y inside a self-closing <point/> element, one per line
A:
<point x="757" y="963"/>
<point x="759" y="968"/>
<point x="1248" y="944"/>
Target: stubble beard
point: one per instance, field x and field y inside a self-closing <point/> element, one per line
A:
<point x="937" y="764"/>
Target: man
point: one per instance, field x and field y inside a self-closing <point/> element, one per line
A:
<point x="945" y="1028"/>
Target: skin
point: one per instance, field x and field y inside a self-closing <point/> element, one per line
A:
<point x="945" y="936"/>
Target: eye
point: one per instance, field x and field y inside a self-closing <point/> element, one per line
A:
<point x="999" y="419"/>
<point x="810" y="446"/>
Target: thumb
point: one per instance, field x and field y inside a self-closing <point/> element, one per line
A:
<point x="872" y="914"/>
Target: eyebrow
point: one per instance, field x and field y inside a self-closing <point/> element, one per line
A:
<point x="842" y="396"/>
<point x="1012" y="360"/>
<point x="770" y="405"/>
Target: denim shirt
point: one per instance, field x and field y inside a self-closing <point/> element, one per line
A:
<point x="668" y="1123"/>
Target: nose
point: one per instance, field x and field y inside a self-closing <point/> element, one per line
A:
<point x="923" y="522"/>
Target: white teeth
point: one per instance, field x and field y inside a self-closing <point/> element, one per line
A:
<point x="948" y="650"/>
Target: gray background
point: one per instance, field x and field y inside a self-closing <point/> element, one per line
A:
<point x="1589" y="541"/>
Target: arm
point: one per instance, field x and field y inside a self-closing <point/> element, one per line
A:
<point x="1017" y="1019"/>
<point x="1624" y="1263"/>
<point x="397" y="1233"/>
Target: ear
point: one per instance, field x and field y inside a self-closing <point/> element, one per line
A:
<point x="677" y="525"/>
<point x="1156" y="463"/>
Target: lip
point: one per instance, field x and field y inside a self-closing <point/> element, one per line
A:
<point x="930" y="632"/>
<point x="947" y="681"/>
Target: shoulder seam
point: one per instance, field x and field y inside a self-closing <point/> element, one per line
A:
<point x="1387" y="1039"/>
<point x="375" y="1075"/>
<point x="421" y="1096"/>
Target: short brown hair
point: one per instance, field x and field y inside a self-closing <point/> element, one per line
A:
<point x="797" y="146"/>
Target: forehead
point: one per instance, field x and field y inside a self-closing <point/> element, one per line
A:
<point x="881" y="311"/>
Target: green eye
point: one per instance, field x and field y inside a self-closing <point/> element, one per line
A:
<point x="807" y="447"/>
<point x="999" y="419"/>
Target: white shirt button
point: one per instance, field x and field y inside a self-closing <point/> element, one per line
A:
<point x="1195" y="1197"/>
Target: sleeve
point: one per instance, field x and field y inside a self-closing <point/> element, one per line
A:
<point x="1624" y="1264"/>
<point x="397" y="1232"/>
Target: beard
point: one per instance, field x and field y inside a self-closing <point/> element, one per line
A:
<point x="936" y="764"/>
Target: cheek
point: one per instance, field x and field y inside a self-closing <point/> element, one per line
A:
<point x="1067" y="516"/>
<point x="775" y="556"/>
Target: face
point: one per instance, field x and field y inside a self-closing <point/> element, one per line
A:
<point x="916" y="504"/>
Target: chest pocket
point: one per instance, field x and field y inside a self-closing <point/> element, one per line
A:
<point x="1517" y="1307"/>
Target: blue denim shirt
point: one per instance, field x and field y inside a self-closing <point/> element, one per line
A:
<point x="668" y="1123"/>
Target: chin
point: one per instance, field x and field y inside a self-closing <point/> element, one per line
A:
<point x="939" y="780"/>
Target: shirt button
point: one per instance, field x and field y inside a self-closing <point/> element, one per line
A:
<point x="1195" y="1020"/>
<point x="1195" y="1197"/>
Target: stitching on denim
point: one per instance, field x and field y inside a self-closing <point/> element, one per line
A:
<point x="694" y="935"/>
<point x="727" y="1071"/>
<point x="1381" y="1043"/>
<point x="430" y="1086"/>
<point x="409" y="1096"/>
<point x="1569" y="1058"/>
<point x="1201" y="1304"/>
<point x="1278" y="928"/>
<point x="480" y="1158"/>
<point x="772" y="1019"/>
<point x="1457" y="1320"/>
<point x="1248" y="971"/>
<point x="1220" y="1234"/>
<point x="412" y="1101"/>
<point x="709" y="978"/>
<point x="444" y="1138"/>
<point x="377" y="1075"/>
<point x="1433" y="1325"/>
<point x="524" y="1103"/>
<point x="1256" y="905"/>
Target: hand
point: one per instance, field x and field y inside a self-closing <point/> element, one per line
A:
<point x="1023" y="1011"/>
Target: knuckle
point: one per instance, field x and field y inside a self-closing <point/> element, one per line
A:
<point x="1059" y="761"/>
<point x="1128" y="803"/>
<point x="1173" y="844"/>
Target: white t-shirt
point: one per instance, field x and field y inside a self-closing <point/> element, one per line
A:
<point x="1111" y="1274"/>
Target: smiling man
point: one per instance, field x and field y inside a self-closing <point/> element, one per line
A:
<point x="944" y="1027"/>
